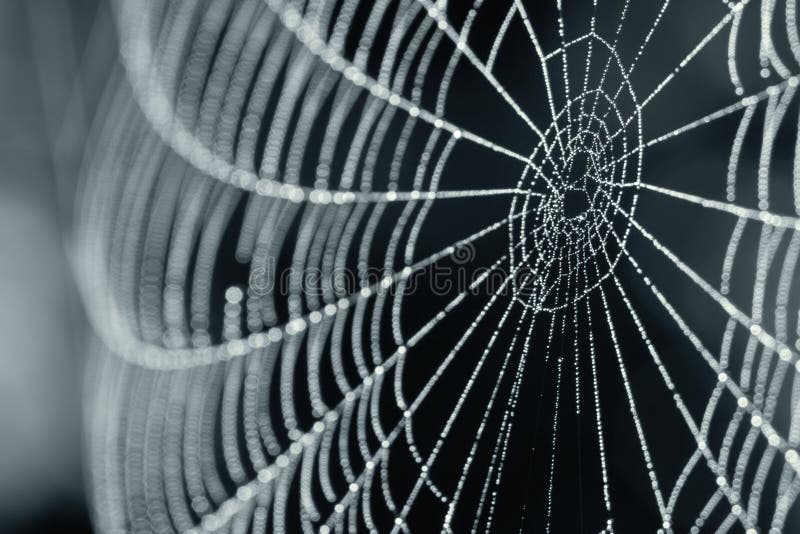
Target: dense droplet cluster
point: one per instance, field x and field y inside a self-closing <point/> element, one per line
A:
<point x="578" y="175"/>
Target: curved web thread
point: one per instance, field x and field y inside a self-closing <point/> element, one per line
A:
<point x="242" y="137"/>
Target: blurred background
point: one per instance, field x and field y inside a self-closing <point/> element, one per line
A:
<point x="50" y="70"/>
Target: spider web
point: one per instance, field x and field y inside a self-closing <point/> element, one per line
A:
<point x="403" y="265"/>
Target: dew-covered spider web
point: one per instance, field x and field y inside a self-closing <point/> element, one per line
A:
<point x="465" y="266"/>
